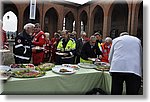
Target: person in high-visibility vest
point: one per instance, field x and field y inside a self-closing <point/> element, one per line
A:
<point x="99" y="39"/>
<point x="106" y="49"/>
<point x="90" y="50"/>
<point x="65" y="49"/>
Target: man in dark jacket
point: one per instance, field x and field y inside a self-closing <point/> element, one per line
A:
<point x="22" y="48"/>
<point x="80" y="42"/>
<point x="90" y="50"/>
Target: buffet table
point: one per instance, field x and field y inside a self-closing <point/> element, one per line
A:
<point x="81" y="82"/>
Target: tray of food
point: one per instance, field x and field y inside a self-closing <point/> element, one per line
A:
<point x="63" y="70"/>
<point x="18" y="66"/>
<point x="102" y="66"/>
<point x="27" y="73"/>
<point x="71" y="66"/>
<point x="45" y="67"/>
<point x="87" y="65"/>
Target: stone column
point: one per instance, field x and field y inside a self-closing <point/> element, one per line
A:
<point x="106" y="25"/>
<point x="20" y="20"/>
<point x="134" y="21"/>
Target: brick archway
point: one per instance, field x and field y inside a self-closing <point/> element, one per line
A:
<point x="51" y="21"/>
<point x="84" y="19"/>
<point x="97" y="18"/>
<point x="119" y="23"/>
<point x="69" y="19"/>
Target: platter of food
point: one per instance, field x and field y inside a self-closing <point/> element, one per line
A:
<point x="63" y="70"/>
<point x="76" y="67"/>
<point x="87" y="65"/>
<point x="45" y="67"/>
<point x="102" y="66"/>
<point x="18" y="66"/>
<point x="28" y="74"/>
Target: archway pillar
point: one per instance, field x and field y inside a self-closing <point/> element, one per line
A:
<point x="90" y="27"/>
<point x="60" y="22"/>
<point x="106" y="25"/>
<point x="20" y="20"/>
<point x="134" y="22"/>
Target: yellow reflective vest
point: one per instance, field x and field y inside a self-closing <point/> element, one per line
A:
<point x="71" y="45"/>
<point x="70" y="48"/>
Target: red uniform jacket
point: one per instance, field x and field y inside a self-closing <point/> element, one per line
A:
<point x="105" y="51"/>
<point x="39" y="40"/>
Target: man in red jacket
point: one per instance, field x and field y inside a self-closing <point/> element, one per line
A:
<point x="39" y="43"/>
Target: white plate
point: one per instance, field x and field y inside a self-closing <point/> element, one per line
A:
<point x="58" y="68"/>
<point x="71" y="65"/>
<point x="4" y="68"/>
<point x="94" y="59"/>
<point x="3" y="50"/>
<point x="59" y="53"/>
<point x="87" y="65"/>
<point x="102" y="63"/>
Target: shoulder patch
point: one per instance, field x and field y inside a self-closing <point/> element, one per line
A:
<point x="19" y="40"/>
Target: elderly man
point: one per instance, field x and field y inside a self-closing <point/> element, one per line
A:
<point x="22" y="48"/>
<point x="125" y="59"/>
<point x="90" y="50"/>
<point x="65" y="49"/>
<point x="105" y="47"/>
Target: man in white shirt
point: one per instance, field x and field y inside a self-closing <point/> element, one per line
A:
<point x="125" y="58"/>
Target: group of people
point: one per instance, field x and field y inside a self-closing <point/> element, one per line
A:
<point x="124" y="53"/>
<point x="63" y="48"/>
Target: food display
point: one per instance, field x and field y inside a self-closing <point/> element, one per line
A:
<point x="63" y="70"/>
<point x="71" y="65"/>
<point x="28" y="74"/>
<point x="87" y="65"/>
<point x="102" y="66"/>
<point x="45" y="67"/>
<point x="22" y="66"/>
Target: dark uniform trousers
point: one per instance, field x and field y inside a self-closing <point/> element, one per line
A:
<point x="130" y="79"/>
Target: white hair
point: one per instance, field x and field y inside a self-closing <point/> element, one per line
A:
<point x="47" y="34"/>
<point x="108" y="39"/>
<point x="83" y="33"/>
<point x="28" y="25"/>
